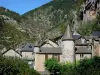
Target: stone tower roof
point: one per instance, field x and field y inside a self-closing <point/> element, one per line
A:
<point x="67" y="35"/>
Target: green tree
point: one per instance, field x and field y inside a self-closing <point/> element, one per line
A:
<point x="88" y="28"/>
<point x="10" y="35"/>
<point x="53" y="66"/>
<point x="15" y="66"/>
<point x="89" y="66"/>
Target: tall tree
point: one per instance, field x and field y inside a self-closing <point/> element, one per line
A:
<point x="10" y="36"/>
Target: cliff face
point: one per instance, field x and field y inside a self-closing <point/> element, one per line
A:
<point x="90" y="10"/>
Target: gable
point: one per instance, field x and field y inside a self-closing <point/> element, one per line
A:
<point x="49" y="43"/>
<point x="12" y="53"/>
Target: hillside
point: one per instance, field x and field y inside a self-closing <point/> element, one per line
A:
<point x="50" y="20"/>
<point x="46" y="20"/>
<point x="53" y="11"/>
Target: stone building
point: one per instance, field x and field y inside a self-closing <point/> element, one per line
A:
<point x="67" y="48"/>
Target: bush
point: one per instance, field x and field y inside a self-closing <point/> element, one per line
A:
<point x="15" y="66"/>
<point x="89" y="66"/>
<point x="84" y="67"/>
<point x="53" y="66"/>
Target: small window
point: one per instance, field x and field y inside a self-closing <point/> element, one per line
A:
<point x="56" y="56"/>
<point x="81" y="56"/>
<point x="46" y="56"/>
<point x="30" y="46"/>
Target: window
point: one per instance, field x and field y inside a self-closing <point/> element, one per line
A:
<point x="30" y="46"/>
<point x="56" y="56"/>
<point x="46" y="56"/>
<point x="81" y="56"/>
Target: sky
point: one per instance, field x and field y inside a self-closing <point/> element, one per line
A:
<point x="22" y="6"/>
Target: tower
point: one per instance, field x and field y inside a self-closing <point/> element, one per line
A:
<point x="68" y="46"/>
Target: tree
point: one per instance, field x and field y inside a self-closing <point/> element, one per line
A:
<point x="10" y="35"/>
<point x="15" y="66"/>
<point x="88" y="28"/>
<point x="53" y="66"/>
<point x="89" y="66"/>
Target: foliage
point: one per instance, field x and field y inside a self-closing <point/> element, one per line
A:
<point x="88" y="28"/>
<point x="62" y="28"/>
<point x="9" y="13"/>
<point x="79" y="5"/>
<point x="10" y="35"/>
<point x="56" y="68"/>
<point x="89" y="66"/>
<point x="52" y="66"/>
<point x="47" y="19"/>
<point x="83" y="67"/>
<point x="15" y="66"/>
<point x="86" y="67"/>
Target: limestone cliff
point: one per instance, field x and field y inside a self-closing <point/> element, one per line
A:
<point x="90" y="10"/>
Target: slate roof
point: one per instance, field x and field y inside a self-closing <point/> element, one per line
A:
<point x="96" y="38"/>
<point x="76" y="37"/>
<point x="76" y="33"/>
<point x="29" y="47"/>
<point x="50" y="50"/>
<point x="84" y="50"/>
<point x="79" y="42"/>
<point x="96" y="33"/>
<point x="67" y="35"/>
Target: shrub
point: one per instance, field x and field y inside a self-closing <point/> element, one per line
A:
<point x="53" y="66"/>
<point x="89" y="66"/>
<point x="15" y="66"/>
<point x="83" y="67"/>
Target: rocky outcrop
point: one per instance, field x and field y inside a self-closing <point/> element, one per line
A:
<point x="7" y="19"/>
<point x="90" y="9"/>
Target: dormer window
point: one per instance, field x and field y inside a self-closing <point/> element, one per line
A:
<point x="30" y="46"/>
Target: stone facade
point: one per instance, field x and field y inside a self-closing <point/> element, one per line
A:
<point x="68" y="53"/>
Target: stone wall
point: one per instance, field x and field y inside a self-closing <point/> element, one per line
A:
<point x="68" y="53"/>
